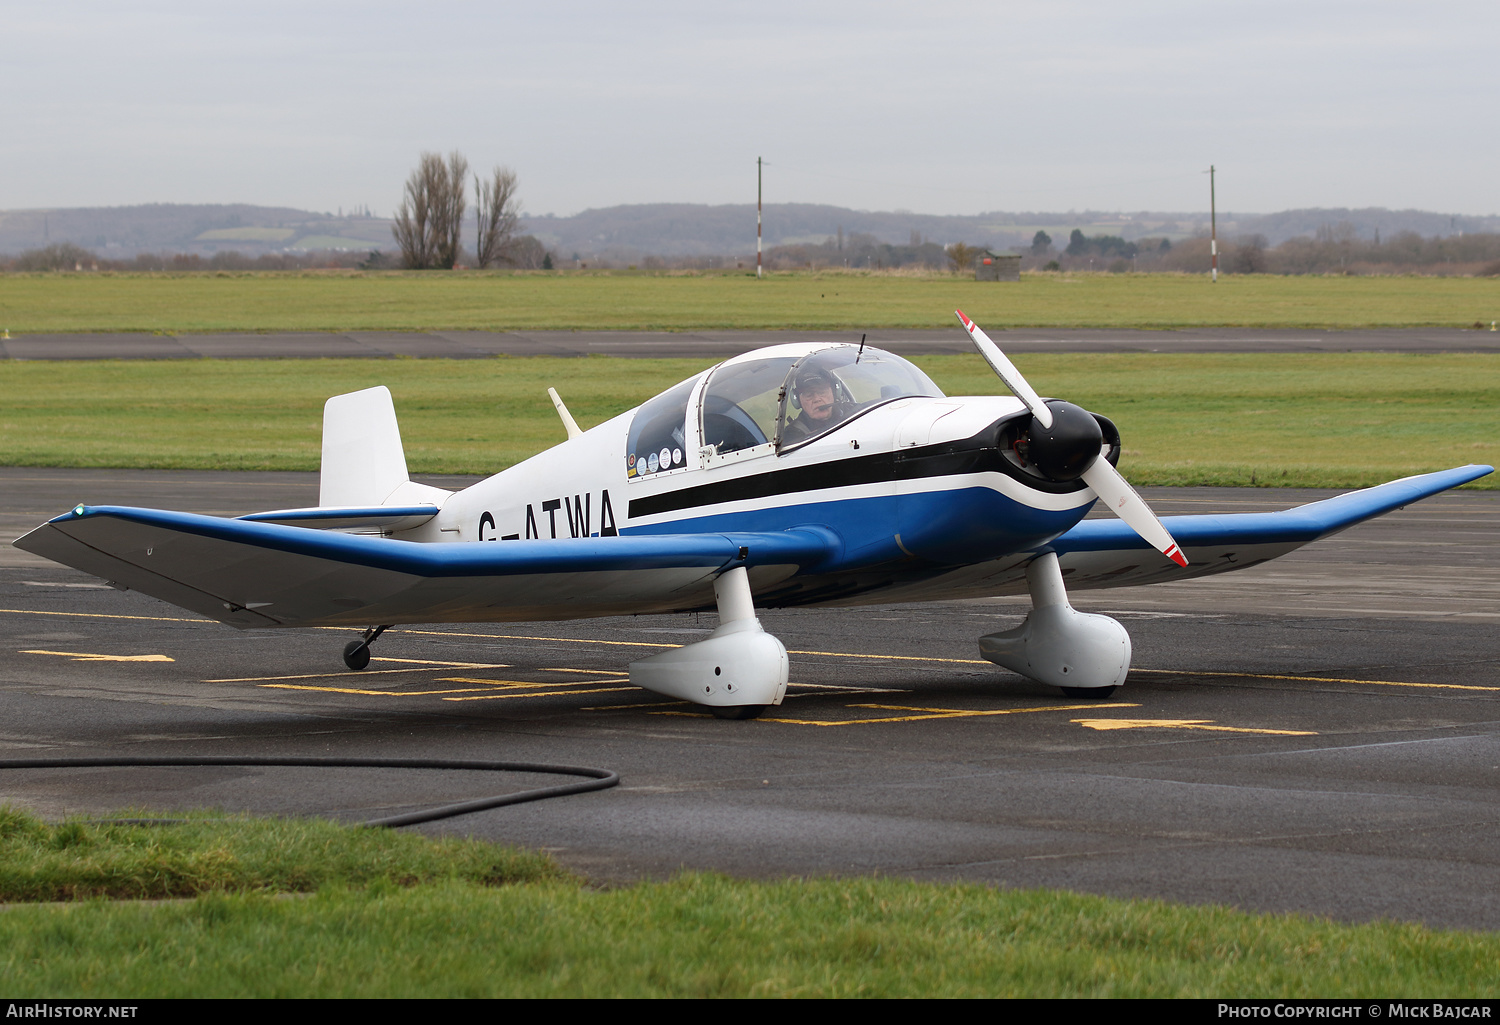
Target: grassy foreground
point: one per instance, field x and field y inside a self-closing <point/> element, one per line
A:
<point x="393" y="914"/>
<point x="75" y="860"/>
<point x="1307" y="420"/>
<point x="435" y="301"/>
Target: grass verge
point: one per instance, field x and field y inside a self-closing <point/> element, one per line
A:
<point x="398" y="915"/>
<point x="509" y="301"/>
<point x="1303" y="420"/>
<point x="211" y="853"/>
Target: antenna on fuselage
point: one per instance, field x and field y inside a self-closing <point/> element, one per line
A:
<point x="562" y="411"/>
<point x="861" y="351"/>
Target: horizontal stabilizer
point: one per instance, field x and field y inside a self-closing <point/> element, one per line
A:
<point x="380" y="519"/>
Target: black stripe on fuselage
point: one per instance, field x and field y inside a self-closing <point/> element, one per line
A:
<point x="978" y="454"/>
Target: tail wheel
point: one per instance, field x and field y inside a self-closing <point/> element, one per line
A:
<point x="356" y="655"/>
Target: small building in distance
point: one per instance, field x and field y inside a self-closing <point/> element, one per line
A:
<point x="991" y="266"/>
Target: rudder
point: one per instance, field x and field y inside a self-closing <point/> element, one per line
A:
<point x="363" y="459"/>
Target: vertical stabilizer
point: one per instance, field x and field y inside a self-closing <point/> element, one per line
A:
<point x="363" y="461"/>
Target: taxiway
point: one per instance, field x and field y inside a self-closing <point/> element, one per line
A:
<point x="1320" y="734"/>
<point x="719" y="344"/>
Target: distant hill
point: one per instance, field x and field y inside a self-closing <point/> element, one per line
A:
<point x="681" y="229"/>
<point x="630" y="233"/>
<point x="1365" y="223"/>
<point x="124" y="231"/>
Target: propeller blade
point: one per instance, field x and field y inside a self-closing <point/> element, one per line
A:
<point x="1106" y="481"/>
<point x="1115" y="492"/>
<point x="1007" y="371"/>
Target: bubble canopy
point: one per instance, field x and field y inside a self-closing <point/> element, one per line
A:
<point x="774" y="399"/>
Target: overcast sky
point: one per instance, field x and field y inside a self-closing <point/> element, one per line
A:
<point x="935" y="107"/>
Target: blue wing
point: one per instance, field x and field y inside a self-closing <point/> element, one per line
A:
<point x="250" y="573"/>
<point x="258" y="574"/>
<point x="1107" y="553"/>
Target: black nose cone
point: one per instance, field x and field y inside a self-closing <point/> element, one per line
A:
<point x="1063" y="451"/>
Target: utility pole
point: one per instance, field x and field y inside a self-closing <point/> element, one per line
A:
<point x="1213" y="224"/>
<point x="757" y="218"/>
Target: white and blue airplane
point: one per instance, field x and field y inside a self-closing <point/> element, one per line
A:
<point x="798" y="475"/>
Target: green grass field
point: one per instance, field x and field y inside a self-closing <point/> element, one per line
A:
<point x="396" y="301"/>
<point x="1309" y="420"/>
<point x="388" y="914"/>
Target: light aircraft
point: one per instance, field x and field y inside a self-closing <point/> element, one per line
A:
<point x="798" y="475"/>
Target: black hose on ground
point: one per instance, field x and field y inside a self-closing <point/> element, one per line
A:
<point x="597" y="779"/>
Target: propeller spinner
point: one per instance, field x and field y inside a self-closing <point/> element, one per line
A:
<point x="1066" y="444"/>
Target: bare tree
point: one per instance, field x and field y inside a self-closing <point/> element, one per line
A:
<point x="528" y="253"/>
<point x="962" y="256"/>
<point x="496" y="217"/>
<point x="57" y="256"/>
<point x="413" y="217"/>
<point x="429" y="222"/>
<point x="1248" y="255"/>
<point x="448" y="226"/>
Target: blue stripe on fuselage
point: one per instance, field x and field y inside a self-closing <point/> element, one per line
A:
<point x="957" y="527"/>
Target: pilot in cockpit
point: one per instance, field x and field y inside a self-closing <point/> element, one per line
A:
<point x="815" y="393"/>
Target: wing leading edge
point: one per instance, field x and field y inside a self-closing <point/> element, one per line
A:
<point x="258" y="574"/>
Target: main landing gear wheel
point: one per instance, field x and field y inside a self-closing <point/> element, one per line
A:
<point x="1094" y="693"/>
<point x="737" y="711"/>
<point x="356" y="655"/>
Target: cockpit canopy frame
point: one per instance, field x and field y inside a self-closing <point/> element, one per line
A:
<point x="754" y="405"/>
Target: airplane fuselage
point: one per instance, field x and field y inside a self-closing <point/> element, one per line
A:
<point x="912" y="489"/>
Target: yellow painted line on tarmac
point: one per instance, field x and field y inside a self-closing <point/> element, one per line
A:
<point x="968" y="713"/>
<point x="896" y="658"/>
<point x="1320" y="679"/>
<point x="924" y="713"/>
<point x="523" y="683"/>
<point x="1183" y="724"/>
<point x="541" y="694"/>
<point x="101" y="615"/>
<point x="488" y="687"/>
<point x="447" y="665"/>
<point x="355" y="690"/>
<point x="502" y="683"/>
<point x="591" y="672"/>
<point x="806" y="690"/>
<point x="813" y="690"/>
<point x="345" y="673"/>
<point x="83" y="656"/>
